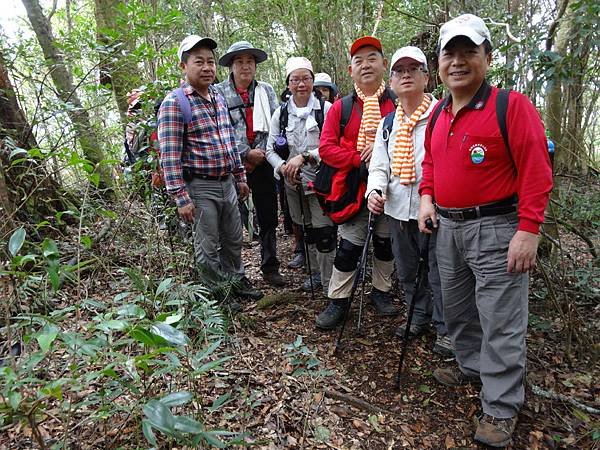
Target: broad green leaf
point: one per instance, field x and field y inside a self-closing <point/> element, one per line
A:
<point x="159" y="416"/>
<point x="49" y="248"/>
<point x="46" y="337"/>
<point x="188" y="425"/>
<point x="86" y="241"/>
<point x="176" y="399"/>
<point x="211" y="438"/>
<point x="173" y="318"/>
<point x="113" y="324"/>
<point x="144" y="336"/>
<point x="16" y="241"/>
<point x="424" y="388"/>
<point x="170" y="334"/>
<point x="148" y="433"/>
<point x="374" y="421"/>
<point x="131" y="311"/>
<point x="163" y="286"/>
<point x="14" y="398"/>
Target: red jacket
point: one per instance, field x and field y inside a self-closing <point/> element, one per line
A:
<point x="342" y="196"/>
<point x="467" y="164"/>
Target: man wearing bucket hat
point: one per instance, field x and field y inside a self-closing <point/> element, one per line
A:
<point x="350" y="150"/>
<point x="251" y="104"/>
<point x="487" y="174"/>
<point x="201" y="162"/>
<point x="395" y="171"/>
<point x="327" y="88"/>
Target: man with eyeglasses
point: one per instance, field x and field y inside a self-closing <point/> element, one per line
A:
<point x="251" y="104"/>
<point x="395" y="171"/>
<point x="201" y="163"/>
<point x="371" y="100"/>
<point x="487" y="175"/>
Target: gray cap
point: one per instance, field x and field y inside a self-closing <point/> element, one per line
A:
<point x="239" y="48"/>
<point x="193" y="40"/>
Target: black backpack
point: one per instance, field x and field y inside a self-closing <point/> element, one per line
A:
<point x="501" y="109"/>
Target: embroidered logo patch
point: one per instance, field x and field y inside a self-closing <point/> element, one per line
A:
<point x="477" y="153"/>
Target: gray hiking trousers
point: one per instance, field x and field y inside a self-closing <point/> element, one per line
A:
<point x="485" y="307"/>
<point x="218" y="227"/>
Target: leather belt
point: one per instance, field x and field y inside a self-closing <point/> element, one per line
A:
<point x="505" y="206"/>
<point x="189" y="175"/>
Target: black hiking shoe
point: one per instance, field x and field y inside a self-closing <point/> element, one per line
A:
<point x="333" y="314"/>
<point x="246" y="291"/>
<point x="274" y="279"/>
<point x="383" y="303"/>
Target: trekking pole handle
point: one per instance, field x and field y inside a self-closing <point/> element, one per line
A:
<point x="429" y="224"/>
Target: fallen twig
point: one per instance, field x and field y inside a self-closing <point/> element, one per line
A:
<point x="357" y="402"/>
<point x="550" y="395"/>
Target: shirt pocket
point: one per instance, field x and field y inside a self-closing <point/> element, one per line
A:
<point x="482" y="152"/>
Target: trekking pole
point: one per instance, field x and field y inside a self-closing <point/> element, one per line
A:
<point x="362" y="269"/>
<point x="359" y="276"/>
<point x="422" y="269"/>
<point x="300" y="189"/>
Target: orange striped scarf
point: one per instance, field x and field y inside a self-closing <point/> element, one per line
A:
<point x="371" y="117"/>
<point x="403" y="163"/>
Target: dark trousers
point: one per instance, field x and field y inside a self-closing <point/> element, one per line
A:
<point x="264" y="196"/>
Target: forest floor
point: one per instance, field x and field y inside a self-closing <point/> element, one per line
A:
<point x="287" y="389"/>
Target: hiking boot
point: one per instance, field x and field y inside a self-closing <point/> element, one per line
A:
<point x="414" y="330"/>
<point x="495" y="432"/>
<point x="297" y="261"/>
<point x="245" y="290"/>
<point x="274" y="279"/>
<point x="332" y="316"/>
<point x="453" y="377"/>
<point x="383" y="303"/>
<point x="443" y="345"/>
<point x="316" y="282"/>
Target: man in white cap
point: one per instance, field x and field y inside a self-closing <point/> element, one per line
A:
<point x="487" y="174"/>
<point x="395" y="171"/>
<point x="201" y="162"/>
<point x="251" y="104"/>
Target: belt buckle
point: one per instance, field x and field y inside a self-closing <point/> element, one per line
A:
<point x="456" y="215"/>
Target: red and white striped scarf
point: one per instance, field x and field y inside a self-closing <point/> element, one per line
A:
<point x="403" y="162"/>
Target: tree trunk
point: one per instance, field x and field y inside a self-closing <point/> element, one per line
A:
<point x="66" y="91"/>
<point x="118" y="70"/>
<point x="27" y="191"/>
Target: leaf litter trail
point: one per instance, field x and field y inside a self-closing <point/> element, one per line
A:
<point x="356" y="406"/>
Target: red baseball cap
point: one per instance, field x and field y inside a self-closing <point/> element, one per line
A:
<point x="363" y="42"/>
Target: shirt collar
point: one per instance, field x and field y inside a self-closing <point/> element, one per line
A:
<point x="478" y="101"/>
<point x="188" y="89"/>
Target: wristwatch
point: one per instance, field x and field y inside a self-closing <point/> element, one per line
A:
<point x="306" y="157"/>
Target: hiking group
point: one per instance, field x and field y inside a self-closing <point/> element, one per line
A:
<point x="379" y="162"/>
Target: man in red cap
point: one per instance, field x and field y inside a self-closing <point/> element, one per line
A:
<point x="349" y="149"/>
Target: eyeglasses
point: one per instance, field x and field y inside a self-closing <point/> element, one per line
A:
<point x="297" y="81"/>
<point x="409" y="70"/>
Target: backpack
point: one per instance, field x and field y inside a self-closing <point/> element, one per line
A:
<point x="280" y="146"/>
<point x="351" y="183"/>
<point x="158" y="179"/>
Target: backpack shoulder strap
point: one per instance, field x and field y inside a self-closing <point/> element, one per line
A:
<point x="347" y="106"/>
<point x="184" y="105"/>
<point x="283" y="118"/>
<point x="320" y="114"/>
<point x="388" y="123"/>
<point x="501" y="110"/>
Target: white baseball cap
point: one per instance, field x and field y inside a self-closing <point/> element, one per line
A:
<point x="411" y="52"/>
<point x="191" y="41"/>
<point x="297" y="62"/>
<point x="467" y="25"/>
